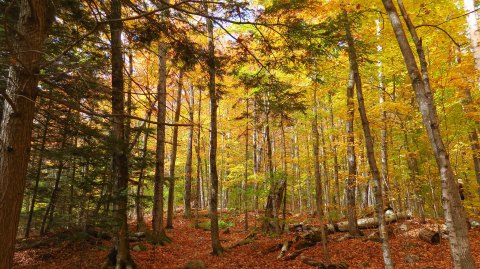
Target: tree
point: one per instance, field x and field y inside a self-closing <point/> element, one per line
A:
<point x="454" y="211"/>
<point x="379" y="204"/>
<point x="173" y="155"/>
<point x="159" y="236"/>
<point x="216" y="246"/>
<point x="120" y="159"/>
<point x="28" y="35"/>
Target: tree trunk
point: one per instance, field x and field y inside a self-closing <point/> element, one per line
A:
<point x="159" y="236"/>
<point x="216" y="246"/>
<point x="120" y="147"/>
<point x="474" y="34"/>
<point x="35" y="17"/>
<point x="173" y="155"/>
<point x="384" y="120"/>
<point x="189" y="158"/>
<point x="351" y="160"/>
<point x="141" y="225"/>
<point x="379" y="205"/>
<point x="318" y="181"/>
<point x="245" y="183"/>
<point x="454" y="211"/>
<point x="333" y="139"/>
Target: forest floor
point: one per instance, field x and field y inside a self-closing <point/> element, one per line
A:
<point x="191" y="243"/>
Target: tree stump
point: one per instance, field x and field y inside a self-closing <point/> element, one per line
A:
<point x="429" y="236"/>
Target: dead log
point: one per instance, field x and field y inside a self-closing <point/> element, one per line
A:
<point x="245" y="241"/>
<point x="285" y="248"/>
<point x="366" y="223"/>
<point x="293" y="255"/>
<point x="321" y="265"/>
<point x="429" y="236"/>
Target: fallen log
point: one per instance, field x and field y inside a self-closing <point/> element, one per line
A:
<point x="286" y="246"/>
<point x="318" y="264"/>
<point x="245" y="241"/>
<point x="429" y="236"/>
<point x="366" y="223"/>
<point x="293" y="255"/>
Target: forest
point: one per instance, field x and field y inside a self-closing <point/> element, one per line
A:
<point x="239" y="134"/>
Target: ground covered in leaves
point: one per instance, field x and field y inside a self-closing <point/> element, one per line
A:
<point x="191" y="243"/>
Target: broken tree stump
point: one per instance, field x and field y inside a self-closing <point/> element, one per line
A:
<point x="429" y="236"/>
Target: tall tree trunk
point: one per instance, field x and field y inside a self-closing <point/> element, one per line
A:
<point x="379" y="204"/>
<point x="333" y="139"/>
<point x="159" y="236"/>
<point x="325" y="173"/>
<point x="38" y="173"/>
<point x="173" y="155"/>
<point x="475" y="146"/>
<point x="30" y="31"/>
<point x="245" y="183"/>
<point x="318" y="180"/>
<point x="189" y="158"/>
<point x="474" y="34"/>
<point x="216" y="246"/>
<point x="256" y="152"/>
<point x="120" y="159"/>
<point x="454" y="211"/>
<point x="199" y="188"/>
<point x="351" y="160"/>
<point x="384" y="120"/>
<point x="141" y="225"/>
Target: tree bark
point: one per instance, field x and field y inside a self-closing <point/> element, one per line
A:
<point x="245" y="183"/>
<point x="474" y="34"/>
<point x="216" y="246"/>
<point x="454" y="211"/>
<point x="379" y="204"/>
<point x="189" y="158"/>
<point x="120" y="147"/>
<point x="159" y="235"/>
<point x="173" y="155"/>
<point x="35" y="17"/>
<point x="318" y="180"/>
<point x="141" y="225"/>
<point x="351" y="159"/>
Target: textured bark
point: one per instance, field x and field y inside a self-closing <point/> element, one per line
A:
<point x="141" y="225"/>
<point x="318" y="180"/>
<point x="120" y="147"/>
<point x="216" y="246"/>
<point x="30" y="31"/>
<point x="384" y="120"/>
<point x="351" y="160"/>
<point x="454" y="211"/>
<point x="173" y="154"/>
<point x="189" y="158"/>
<point x="333" y="139"/>
<point x="159" y="236"/>
<point x="379" y="204"/>
<point x="473" y="32"/>
<point x="245" y="182"/>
